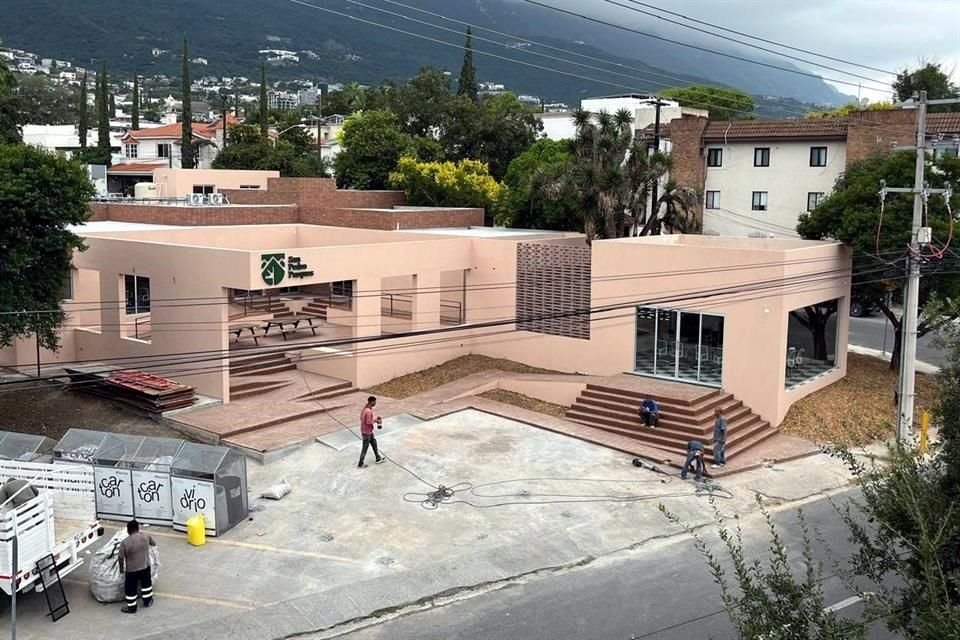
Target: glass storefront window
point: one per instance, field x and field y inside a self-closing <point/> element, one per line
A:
<point x="680" y="345"/>
<point x="811" y="342"/>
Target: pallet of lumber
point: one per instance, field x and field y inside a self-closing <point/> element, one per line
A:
<point x="138" y="389"/>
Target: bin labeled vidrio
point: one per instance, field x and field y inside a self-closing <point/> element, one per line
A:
<point x="210" y="481"/>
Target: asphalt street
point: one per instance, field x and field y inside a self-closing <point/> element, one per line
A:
<point x="662" y="590"/>
<point x="869" y="332"/>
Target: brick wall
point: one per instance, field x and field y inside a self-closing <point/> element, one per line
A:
<point x="871" y="132"/>
<point x="689" y="168"/>
<point x="393" y="219"/>
<point x="194" y="216"/>
<point x="554" y="280"/>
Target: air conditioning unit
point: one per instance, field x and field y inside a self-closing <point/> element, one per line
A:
<point x="196" y="198"/>
<point x="216" y="198"/>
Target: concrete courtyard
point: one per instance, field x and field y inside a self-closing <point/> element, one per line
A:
<point x="352" y="543"/>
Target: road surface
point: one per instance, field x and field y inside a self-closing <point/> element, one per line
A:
<point x="662" y="590"/>
<point x="868" y="332"/>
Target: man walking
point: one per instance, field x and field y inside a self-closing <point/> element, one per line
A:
<point x="719" y="440"/>
<point x="366" y="431"/>
<point x="134" y="559"/>
<point x="694" y="454"/>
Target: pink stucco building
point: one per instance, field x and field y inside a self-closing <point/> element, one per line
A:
<point x="711" y="311"/>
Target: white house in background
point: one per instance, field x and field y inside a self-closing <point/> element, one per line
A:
<point x="760" y="178"/>
<point x="559" y="125"/>
<point x="63" y="138"/>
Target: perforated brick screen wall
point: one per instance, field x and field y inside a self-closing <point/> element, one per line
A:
<point x="553" y="289"/>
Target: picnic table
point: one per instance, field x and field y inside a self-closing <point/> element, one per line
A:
<point x="237" y="329"/>
<point x="293" y="322"/>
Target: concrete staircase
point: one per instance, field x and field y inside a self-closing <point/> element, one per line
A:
<point x="260" y="365"/>
<point x="317" y="307"/>
<point x="616" y="410"/>
<point x="332" y="390"/>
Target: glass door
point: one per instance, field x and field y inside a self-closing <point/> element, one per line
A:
<point x="679" y="345"/>
<point x="666" y="362"/>
<point x="688" y="347"/>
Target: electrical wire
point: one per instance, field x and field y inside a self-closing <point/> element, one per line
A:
<point x="741" y="42"/>
<point x="758" y="38"/>
<point x="540" y="44"/>
<point x="686" y="44"/>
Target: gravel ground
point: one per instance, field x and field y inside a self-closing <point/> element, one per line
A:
<point x="420" y="381"/>
<point x="858" y="409"/>
<point x="525" y="402"/>
<point x="51" y="410"/>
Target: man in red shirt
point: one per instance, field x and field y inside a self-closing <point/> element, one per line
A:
<point x="366" y="431"/>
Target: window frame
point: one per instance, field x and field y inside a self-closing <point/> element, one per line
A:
<point x="764" y="156"/>
<point x="139" y="306"/>
<point x="204" y="189"/>
<point x="711" y="203"/>
<point x="169" y="150"/>
<point x="821" y="195"/>
<point x="714" y="152"/>
<point x="759" y="201"/>
<point x="816" y="150"/>
<point x="131" y="150"/>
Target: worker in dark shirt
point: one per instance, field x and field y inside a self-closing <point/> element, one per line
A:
<point x="649" y="412"/>
<point x="17" y="491"/>
<point x="134" y="559"/>
<point x="694" y="455"/>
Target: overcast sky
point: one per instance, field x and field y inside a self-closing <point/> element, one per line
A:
<point x="887" y="34"/>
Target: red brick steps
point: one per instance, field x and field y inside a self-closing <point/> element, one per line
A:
<point x="616" y="410"/>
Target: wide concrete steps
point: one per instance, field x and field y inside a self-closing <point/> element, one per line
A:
<point x="264" y="364"/>
<point x="316" y="308"/>
<point x="616" y="411"/>
<point x="245" y="387"/>
<point x="328" y="391"/>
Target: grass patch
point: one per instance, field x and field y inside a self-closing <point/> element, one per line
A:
<point x="428" y="379"/>
<point x="858" y="409"/>
<point x="525" y="402"/>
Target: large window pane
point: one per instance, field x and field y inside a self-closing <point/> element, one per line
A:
<point x="666" y="343"/>
<point x="811" y="342"/>
<point x="688" y="346"/>
<point x="136" y="293"/>
<point x="711" y="350"/>
<point x="646" y="340"/>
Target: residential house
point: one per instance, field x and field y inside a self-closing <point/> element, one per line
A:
<point x="559" y="125"/>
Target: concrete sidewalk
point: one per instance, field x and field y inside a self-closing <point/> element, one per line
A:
<point x="351" y="543"/>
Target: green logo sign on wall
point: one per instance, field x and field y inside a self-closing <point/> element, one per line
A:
<point x="273" y="267"/>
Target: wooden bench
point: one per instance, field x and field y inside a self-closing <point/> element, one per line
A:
<point x="238" y="328"/>
<point x="291" y="324"/>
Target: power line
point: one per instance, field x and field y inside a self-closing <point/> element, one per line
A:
<point x="753" y="37"/>
<point x="683" y="81"/>
<point x="702" y="296"/>
<point x="686" y="44"/>
<point x="729" y="39"/>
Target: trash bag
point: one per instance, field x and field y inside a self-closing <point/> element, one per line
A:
<point x="278" y="490"/>
<point x="106" y="581"/>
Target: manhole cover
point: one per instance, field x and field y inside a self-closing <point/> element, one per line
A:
<point x="385" y="561"/>
<point x="326" y="537"/>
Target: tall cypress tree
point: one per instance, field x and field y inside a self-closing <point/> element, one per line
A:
<point x="103" y="114"/>
<point x="84" y="124"/>
<point x="468" y="74"/>
<point x="263" y="99"/>
<point x="187" y="159"/>
<point x="135" y="112"/>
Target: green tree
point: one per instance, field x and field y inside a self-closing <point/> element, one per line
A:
<point x="103" y="115"/>
<point x="723" y="103"/>
<point x="423" y="105"/>
<point x="263" y="99"/>
<point x="495" y="131"/>
<point x="851" y="108"/>
<point x="611" y="177"/>
<point x="372" y="145"/>
<point x="528" y="177"/>
<point x="41" y="196"/>
<point x="930" y="78"/>
<point x="82" y="107"/>
<point x="188" y="150"/>
<point x="355" y="97"/>
<point x="292" y="155"/>
<point x="9" y="107"/>
<point x="851" y="214"/>
<point x="135" y="109"/>
<point x="468" y="74"/>
<point x="467" y="183"/>
<point x="43" y="102"/>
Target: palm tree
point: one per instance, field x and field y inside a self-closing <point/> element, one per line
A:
<point x="612" y="174"/>
<point x="355" y="96"/>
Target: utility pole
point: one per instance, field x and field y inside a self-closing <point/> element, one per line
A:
<point x="656" y="148"/>
<point x="919" y="236"/>
<point x="320" y="171"/>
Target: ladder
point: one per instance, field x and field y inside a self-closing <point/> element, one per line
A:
<point x="53" y="588"/>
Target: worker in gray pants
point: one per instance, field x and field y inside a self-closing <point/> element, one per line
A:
<point x="695" y="451"/>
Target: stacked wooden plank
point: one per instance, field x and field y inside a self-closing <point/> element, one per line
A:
<point x="141" y="390"/>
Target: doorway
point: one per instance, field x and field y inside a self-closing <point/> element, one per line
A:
<point x="680" y="345"/>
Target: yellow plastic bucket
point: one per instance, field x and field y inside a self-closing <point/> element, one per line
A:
<point x="196" y="530"/>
